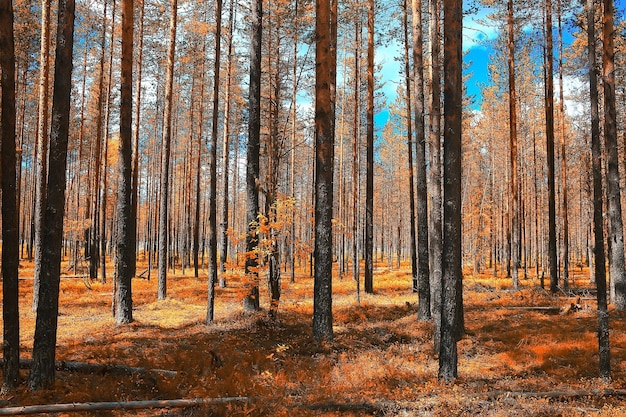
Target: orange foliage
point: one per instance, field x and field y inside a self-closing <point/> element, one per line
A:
<point x="381" y="359"/>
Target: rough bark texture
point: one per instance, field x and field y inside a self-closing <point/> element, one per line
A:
<point x="434" y="217"/>
<point x="165" y="162"/>
<point x="453" y="103"/>
<point x="44" y="345"/>
<point x="596" y="168"/>
<point x="42" y="144"/>
<point x="253" y="150"/>
<point x="324" y="152"/>
<point x="213" y="167"/>
<point x="409" y="134"/>
<point x="513" y="190"/>
<point x="549" y="109"/>
<point x="423" y="269"/>
<point x="616" y="229"/>
<point x="369" y="156"/>
<point x="126" y="222"/>
<point x="10" y="216"/>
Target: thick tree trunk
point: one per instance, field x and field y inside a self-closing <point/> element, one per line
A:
<point x="453" y="110"/>
<point x="44" y="346"/>
<point x="10" y="215"/>
<point x="324" y="164"/>
<point x="616" y="229"/>
<point x="165" y="158"/>
<point x="598" y="223"/>
<point x="126" y="223"/>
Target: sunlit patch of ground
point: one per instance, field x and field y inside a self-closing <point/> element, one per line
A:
<point x="381" y="361"/>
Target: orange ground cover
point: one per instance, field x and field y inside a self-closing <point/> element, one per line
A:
<point x="380" y="363"/>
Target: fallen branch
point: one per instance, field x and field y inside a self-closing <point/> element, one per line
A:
<point x="344" y="407"/>
<point x="557" y="394"/>
<point x="544" y="309"/>
<point x="128" y="405"/>
<point x="96" y="368"/>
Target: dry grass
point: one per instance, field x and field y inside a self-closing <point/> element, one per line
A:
<point x="380" y="363"/>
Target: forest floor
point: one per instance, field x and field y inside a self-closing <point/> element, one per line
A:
<point x="514" y="361"/>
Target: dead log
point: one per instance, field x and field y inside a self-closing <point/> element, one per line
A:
<point x="114" y="405"/>
<point x="557" y="394"/>
<point x="97" y="368"/>
<point x="543" y="309"/>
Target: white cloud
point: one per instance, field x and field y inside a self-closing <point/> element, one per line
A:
<point x="478" y="28"/>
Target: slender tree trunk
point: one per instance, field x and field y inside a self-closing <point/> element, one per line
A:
<point x="369" y="158"/>
<point x="42" y="146"/>
<point x="135" y="187"/>
<point x="165" y="157"/>
<point x="253" y="152"/>
<point x="324" y="164"/>
<point x="226" y="150"/>
<point x="598" y="223"/>
<point x="453" y="109"/>
<point x="42" y="373"/>
<point x="514" y="207"/>
<point x="294" y="96"/>
<point x="435" y="227"/>
<point x="213" y="167"/>
<point x="10" y="214"/>
<point x="616" y="263"/>
<point x="126" y="223"/>
<point x="356" y="273"/>
<point x="409" y="134"/>
<point x="549" y="108"/>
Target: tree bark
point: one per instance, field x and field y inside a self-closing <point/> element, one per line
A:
<point x="44" y="345"/>
<point x="42" y="145"/>
<point x="165" y="157"/>
<point x="549" y="111"/>
<point x="453" y="110"/>
<point x="369" y="156"/>
<point x="253" y="152"/>
<point x="513" y="190"/>
<point x="126" y="223"/>
<point x="10" y="215"/>
<point x="598" y="224"/>
<point x="616" y="229"/>
<point x="213" y="167"/>
<point x="324" y="164"/>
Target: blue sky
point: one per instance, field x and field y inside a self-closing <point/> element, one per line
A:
<point x="475" y="32"/>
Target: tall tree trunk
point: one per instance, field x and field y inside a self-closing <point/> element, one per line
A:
<point x="356" y="266"/>
<point x="369" y="158"/>
<point x="324" y="164"/>
<point x="564" y="207"/>
<point x="253" y="152"/>
<point x="616" y="230"/>
<point x="126" y="223"/>
<point x="514" y="190"/>
<point x="423" y="268"/>
<point x="213" y="166"/>
<point x="10" y="215"/>
<point x="294" y="97"/>
<point x="42" y="146"/>
<point x="409" y="134"/>
<point x="598" y="223"/>
<point x="226" y="149"/>
<point x="165" y="157"/>
<point x="549" y="109"/>
<point x="135" y="186"/>
<point x="453" y="109"/>
<point x="435" y="227"/>
<point x="196" y="222"/>
<point x="42" y="373"/>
